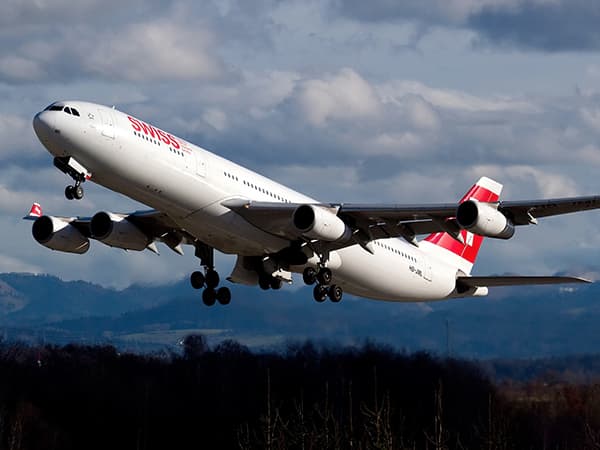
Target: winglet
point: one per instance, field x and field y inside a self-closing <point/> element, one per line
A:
<point x="35" y="212"/>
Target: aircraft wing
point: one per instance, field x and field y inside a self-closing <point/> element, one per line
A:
<point x="156" y="225"/>
<point x="520" y="211"/>
<point x="377" y="221"/>
<point x="153" y="223"/>
<point x="494" y="281"/>
<point x="396" y="220"/>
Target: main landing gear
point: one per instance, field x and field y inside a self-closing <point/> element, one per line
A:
<point x="323" y="289"/>
<point x="209" y="280"/>
<point x="211" y="293"/>
<point x="71" y="167"/>
<point x="267" y="282"/>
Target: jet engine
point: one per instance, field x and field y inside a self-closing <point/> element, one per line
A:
<point x="484" y="219"/>
<point x="320" y="223"/>
<point x="59" y="234"/>
<point x="117" y="231"/>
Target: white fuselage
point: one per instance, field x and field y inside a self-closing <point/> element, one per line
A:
<point x="190" y="183"/>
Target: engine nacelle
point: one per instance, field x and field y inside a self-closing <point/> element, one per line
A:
<point x="484" y="219"/>
<point x="59" y="234"/>
<point x="319" y="223"/>
<point x="116" y="231"/>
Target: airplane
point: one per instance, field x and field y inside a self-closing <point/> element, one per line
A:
<point x="201" y="199"/>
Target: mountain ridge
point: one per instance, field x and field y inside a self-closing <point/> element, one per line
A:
<point x="513" y="322"/>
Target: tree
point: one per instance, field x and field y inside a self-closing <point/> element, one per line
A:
<point x="194" y="346"/>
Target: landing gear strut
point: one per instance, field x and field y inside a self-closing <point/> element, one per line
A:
<point x="322" y="289"/>
<point x="210" y="279"/>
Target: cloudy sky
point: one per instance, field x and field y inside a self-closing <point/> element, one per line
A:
<point x="346" y="100"/>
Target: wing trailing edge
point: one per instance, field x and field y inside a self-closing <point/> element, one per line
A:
<point x="494" y="281"/>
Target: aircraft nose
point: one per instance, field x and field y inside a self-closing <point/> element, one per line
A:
<point x="43" y="125"/>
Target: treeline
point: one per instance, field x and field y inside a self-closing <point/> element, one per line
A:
<point x="304" y="396"/>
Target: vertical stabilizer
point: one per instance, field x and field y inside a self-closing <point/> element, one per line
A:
<point x="449" y="249"/>
<point x="35" y="212"/>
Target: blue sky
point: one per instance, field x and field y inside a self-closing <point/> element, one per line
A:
<point x="379" y="101"/>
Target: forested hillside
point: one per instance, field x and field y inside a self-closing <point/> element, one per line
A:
<point x="303" y="396"/>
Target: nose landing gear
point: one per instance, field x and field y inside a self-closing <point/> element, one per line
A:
<point x="74" y="192"/>
<point x="71" y="167"/>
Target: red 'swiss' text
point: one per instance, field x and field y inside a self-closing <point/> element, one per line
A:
<point x="153" y="132"/>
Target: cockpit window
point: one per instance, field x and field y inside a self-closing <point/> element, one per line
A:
<point x="67" y="110"/>
<point x="54" y="108"/>
<point x="74" y="112"/>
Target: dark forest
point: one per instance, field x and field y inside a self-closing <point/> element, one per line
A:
<point x="303" y="396"/>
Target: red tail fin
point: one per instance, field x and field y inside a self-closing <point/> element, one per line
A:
<point x="34" y="212"/>
<point x="485" y="190"/>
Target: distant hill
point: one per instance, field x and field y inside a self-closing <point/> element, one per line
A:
<point x="27" y="299"/>
<point x="521" y="322"/>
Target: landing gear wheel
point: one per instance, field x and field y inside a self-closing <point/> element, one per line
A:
<point x="209" y="296"/>
<point x="264" y="281"/>
<point x="275" y="283"/>
<point x="309" y="276"/>
<point x="77" y="192"/>
<point x="320" y="293"/>
<point x="197" y="280"/>
<point x="223" y="295"/>
<point x="324" y="276"/>
<point x="74" y="192"/>
<point x="212" y="279"/>
<point x="335" y="293"/>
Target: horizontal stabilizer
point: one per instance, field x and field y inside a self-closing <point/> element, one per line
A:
<point x="517" y="280"/>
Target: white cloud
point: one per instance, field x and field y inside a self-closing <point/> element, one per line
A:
<point x="403" y="144"/>
<point x="10" y="264"/>
<point x="589" y="154"/>
<point x="591" y="117"/>
<point x="422" y="114"/>
<point x="263" y="91"/>
<point x="157" y="50"/>
<point x="216" y="118"/>
<point x="20" y="68"/>
<point x="532" y="180"/>
<point x="345" y="95"/>
<point x="394" y="91"/>
<point x="16" y="136"/>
